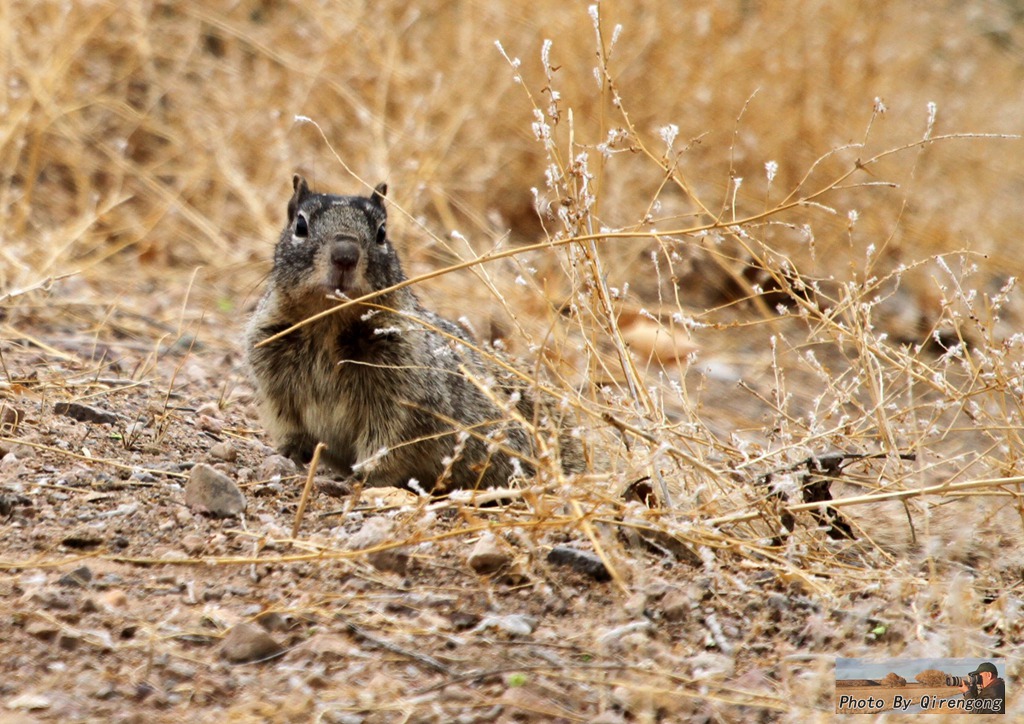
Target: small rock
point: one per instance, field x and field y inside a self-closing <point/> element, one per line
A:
<point x="608" y="717"/>
<point x="10" y="463"/>
<point x="209" y="409"/>
<point x="278" y="466"/>
<point x="516" y="624"/>
<point x="29" y="702"/>
<point x="42" y="630"/>
<point x="708" y="665"/>
<point x="213" y="492"/>
<point x="183" y="516"/>
<point x="514" y="574"/>
<point x="374" y="531"/>
<point x="224" y="451"/>
<point x="581" y="561"/>
<point x="24" y="452"/>
<point x="394" y="560"/>
<point x="54" y="600"/>
<point x="636" y="605"/>
<point x="210" y="424"/>
<point x="326" y="648"/>
<point x="272" y="621"/>
<point x="180" y="670"/>
<point x="676" y="606"/>
<point x="84" y="413"/>
<point x="114" y="599"/>
<point x="522" y="699"/>
<point x="80" y="577"/>
<point x="82" y="539"/>
<point x="340" y="716"/>
<point x="105" y="692"/>
<point x="614" y="637"/>
<point x="193" y="543"/>
<point x="170" y="555"/>
<point x="134" y="430"/>
<point x="463" y="620"/>
<point x="9" y="502"/>
<point x="248" y="642"/>
<point x="488" y="556"/>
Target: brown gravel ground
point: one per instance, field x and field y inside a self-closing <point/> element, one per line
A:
<point x="117" y="598"/>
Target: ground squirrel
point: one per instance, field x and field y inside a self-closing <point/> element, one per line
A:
<point x="393" y="390"/>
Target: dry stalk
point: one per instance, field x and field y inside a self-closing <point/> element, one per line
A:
<point x="307" y="489"/>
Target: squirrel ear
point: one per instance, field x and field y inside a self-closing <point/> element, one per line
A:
<point x="379" y="192"/>
<point x="301" y="189"/>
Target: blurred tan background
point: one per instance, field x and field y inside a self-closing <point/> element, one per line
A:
<point x="162" y="135"/>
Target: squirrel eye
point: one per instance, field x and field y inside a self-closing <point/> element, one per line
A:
<point x="301" y="226"/>
<point x="382" y="233"/>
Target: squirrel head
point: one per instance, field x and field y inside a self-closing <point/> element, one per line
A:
<point x="333" y="245"/>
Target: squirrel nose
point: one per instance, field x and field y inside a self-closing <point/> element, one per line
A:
<point x="344" y="254"/>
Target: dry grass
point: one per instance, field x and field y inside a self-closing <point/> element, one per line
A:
<point x="766" y="183"/>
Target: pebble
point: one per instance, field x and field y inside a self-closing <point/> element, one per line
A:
<point x="210" y="424"/>
<point x="26" y="452"/>
<point x="516" y="624"/>
<point x="43" y="630"/>
<point x="68" y="641"/>
<point x="272" y="621"/>
<point x="373" y="532"/>
<point x="213" y="492"/>
<point x="209" y="409"/>
<point x="9" y="502"/>
<point x="581" y="561"/>
<point x="278" y="466"/>
<point x="326" y="648"/>
<point x="224" y="451"/>
<point x="488" y="556"/>
<point x="84" y="413"/>
<point x="82" y="538"/>
<point x="133" y="431"/>
<point x="80" y="577"/>
<point x="608" y="717"/>
<point x="636" y="605"/>
<point x="676" y="606"/>
<point x="29" y="702"/>
<point x="180" y="670"/>
<point x="193" y="543"/>
<point x="248" y="642"/>
<point x="612" y="637"/>
<point x="393" y="560"/>
<point x="114" y="599"/>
